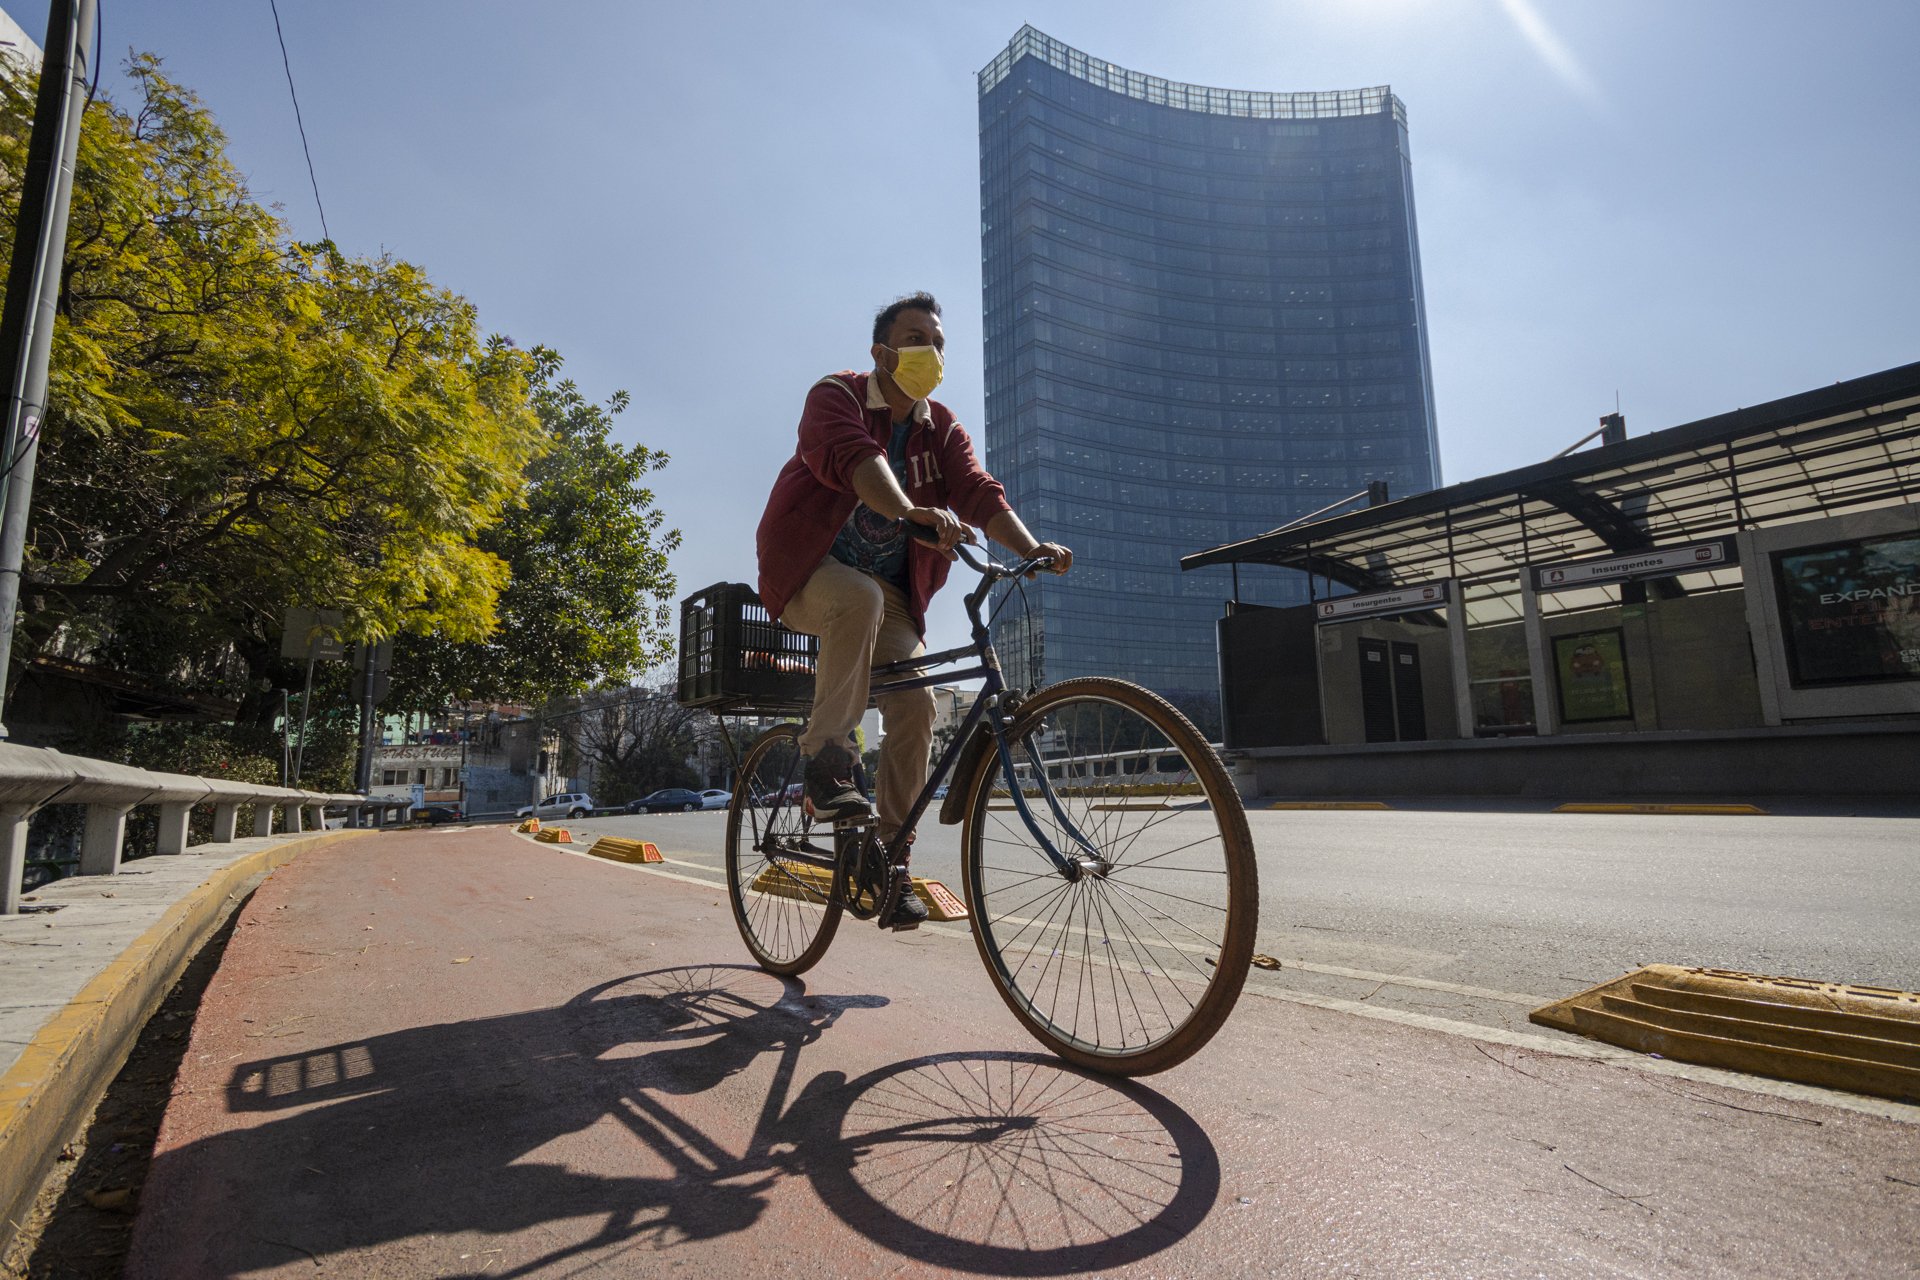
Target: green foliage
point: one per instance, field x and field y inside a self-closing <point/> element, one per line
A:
<point x="589" y="600"/>
<point x="238" y="423"/>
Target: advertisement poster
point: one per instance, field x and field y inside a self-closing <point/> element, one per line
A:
<point x="1592" y="671"/>
<point x="1851" y="610"/>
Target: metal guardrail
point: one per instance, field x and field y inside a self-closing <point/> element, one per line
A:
<point x="31" y="778"/>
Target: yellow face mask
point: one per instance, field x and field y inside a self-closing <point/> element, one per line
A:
<point x="919" y="370"/>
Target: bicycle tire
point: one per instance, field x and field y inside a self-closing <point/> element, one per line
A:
<point x="1178" y="993"/>
<point x="787" y="927"/>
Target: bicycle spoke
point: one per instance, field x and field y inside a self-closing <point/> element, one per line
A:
<point x="1107" y="968"/>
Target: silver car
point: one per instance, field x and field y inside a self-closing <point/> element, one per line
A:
<point x="567" y="804"/>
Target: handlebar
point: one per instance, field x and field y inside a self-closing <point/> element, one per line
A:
<point x="986" y="566"/>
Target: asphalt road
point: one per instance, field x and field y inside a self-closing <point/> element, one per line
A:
<point x="1479" y="917"/>
<point x="462" y="1053"/>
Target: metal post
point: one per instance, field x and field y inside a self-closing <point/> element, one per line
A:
<point x="466" y="731"/>
<point x="306" y="701"/>
<point x="369" y="672"/>
<point x="33" y="288"/>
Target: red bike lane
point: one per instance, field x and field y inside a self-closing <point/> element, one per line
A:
<point x="455" y="1053"/>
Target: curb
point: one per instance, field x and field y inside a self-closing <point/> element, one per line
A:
<point x="61" y="1075"/>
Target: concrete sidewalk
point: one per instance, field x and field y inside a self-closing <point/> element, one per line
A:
<point x="459" y="1053"/>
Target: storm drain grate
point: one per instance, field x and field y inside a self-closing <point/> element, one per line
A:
<point x="1863" y="1039"/>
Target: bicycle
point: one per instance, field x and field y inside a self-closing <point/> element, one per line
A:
<point x="1120" y="953"/>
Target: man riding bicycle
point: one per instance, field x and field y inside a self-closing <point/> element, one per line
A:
<point x="836" y="562"/>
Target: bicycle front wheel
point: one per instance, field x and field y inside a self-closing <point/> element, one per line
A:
<point x="786" y="909"/>
<point x="1130" y="967"/>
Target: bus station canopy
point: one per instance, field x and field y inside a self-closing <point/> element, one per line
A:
<point x="1849" y="447"/>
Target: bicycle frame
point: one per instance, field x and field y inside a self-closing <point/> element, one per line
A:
<point x="987" y="666"/>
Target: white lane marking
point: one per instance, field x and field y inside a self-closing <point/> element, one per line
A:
<point x="1603" y="1053"/>
<point x="633" y="866"/>
<point x="1423" y="984"/>
<point x="1467" y="1030"/>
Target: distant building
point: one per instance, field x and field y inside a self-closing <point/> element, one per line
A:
<point x="18" y="50"/>
<point x="1203" y="319"/>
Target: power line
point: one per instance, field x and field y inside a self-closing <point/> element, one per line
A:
<point x="292" y="93"/>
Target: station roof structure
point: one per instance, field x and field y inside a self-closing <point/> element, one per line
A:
<point x="1849" y="447"/>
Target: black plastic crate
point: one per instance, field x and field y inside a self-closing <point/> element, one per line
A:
<point x="734" y="656"/>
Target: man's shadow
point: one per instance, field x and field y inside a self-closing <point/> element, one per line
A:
<point x="435" y="1131"/>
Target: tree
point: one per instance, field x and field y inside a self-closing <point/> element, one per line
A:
<point x="589" y="599"/>
<point x="638" y="741"/>
<point x="237" y="423"/>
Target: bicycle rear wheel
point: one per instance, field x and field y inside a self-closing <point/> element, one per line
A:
<point x="1132" y="967"/>
<point x="786" y="909"/>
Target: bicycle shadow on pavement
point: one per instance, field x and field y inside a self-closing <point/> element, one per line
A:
<point x="1002" y="1163"/>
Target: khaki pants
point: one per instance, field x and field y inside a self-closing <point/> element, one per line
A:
<point x="862" y="623"/>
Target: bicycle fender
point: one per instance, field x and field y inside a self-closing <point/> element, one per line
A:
<point x="953" y="808"/>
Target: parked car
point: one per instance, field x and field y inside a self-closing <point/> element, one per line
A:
<point x="438" y="813"/>
<point x="666" y="800"/>
<point x="714" y="798"/>
<point x="567" y="804"/>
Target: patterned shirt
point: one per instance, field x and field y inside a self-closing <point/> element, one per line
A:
<point x="869" y="541"/>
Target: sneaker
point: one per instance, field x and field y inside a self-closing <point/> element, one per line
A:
<point x="911" y="913"/>
<point x="831" y="795"/>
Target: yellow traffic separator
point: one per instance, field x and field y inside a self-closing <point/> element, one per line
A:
<point x="618" y="850"/>
<point x="530" y="827"/>
<point x="809" y="883"/>
<point x="1726" y="810"/>
<point x="1330" y="804"/>
<point x="1862" y="1039"/>
<point x="553" y="835"/>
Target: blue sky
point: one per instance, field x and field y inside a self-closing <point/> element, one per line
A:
<point x="1698" y="206"/>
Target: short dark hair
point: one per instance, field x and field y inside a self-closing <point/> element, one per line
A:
<point x="883" y="322"/>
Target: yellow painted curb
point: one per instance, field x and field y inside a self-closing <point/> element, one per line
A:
<point x="59" y="1077"/>
<point x="1329" y="804"/>
<point x="1735" y="810"/>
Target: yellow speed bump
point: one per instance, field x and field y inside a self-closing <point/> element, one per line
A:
<point x="1863" y="1039"/>
<point x="809" y="883"/>
<point x="619" y="850"/>
<point x="553" y="835"/>
<point x="1328" y="804"/>
<point x="1733" y="810"/>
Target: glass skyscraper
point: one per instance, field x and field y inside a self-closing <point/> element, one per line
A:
<point x="1203" y="320"/>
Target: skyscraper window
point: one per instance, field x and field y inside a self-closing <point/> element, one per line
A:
<point x="1203" y="319"/>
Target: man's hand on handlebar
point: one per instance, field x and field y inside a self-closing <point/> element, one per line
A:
<point x="1062" y="557"/>
<point x="946" y="529"/>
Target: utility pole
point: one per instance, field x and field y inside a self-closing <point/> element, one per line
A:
<point x="33" y="289"/>
<point x="371" y="661"/>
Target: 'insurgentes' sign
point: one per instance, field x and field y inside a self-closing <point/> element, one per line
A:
<point x="1657" y="562"/>
<point x="1421" y="595"/>
<point x="1851" y="610"/>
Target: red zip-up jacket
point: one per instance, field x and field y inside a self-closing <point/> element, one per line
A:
<point x="844" y="423"/>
